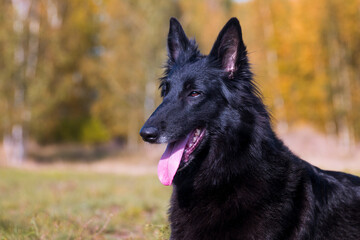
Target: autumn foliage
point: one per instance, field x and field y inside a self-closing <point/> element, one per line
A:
<point x="86" y="71"/>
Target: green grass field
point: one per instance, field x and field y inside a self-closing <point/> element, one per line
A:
<point x="75" y="205"/>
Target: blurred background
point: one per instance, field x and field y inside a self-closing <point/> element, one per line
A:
<point x="79" y="77"/>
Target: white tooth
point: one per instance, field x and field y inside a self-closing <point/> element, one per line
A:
<point x="194" y="139"/>
<point x="190" y="144"/>
<point x="197" y="131"/>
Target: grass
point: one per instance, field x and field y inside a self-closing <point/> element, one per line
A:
<point x="73" y="205"/>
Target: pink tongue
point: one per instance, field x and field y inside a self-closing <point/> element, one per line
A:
<point x="170" y="161"/>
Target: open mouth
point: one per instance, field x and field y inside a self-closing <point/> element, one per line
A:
<point x="176" y="152"/>
<point x="193" y="141"/>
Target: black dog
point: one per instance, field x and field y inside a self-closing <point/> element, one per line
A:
<point x="232" y="177"/>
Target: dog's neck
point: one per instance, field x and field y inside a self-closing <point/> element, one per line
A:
<point x="238" y="158"/>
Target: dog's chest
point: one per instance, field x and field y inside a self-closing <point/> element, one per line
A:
<point x="204" y="217"/>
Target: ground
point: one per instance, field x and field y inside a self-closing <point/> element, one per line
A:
<point x="77" y="205"/>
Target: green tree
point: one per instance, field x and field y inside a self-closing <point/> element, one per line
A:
<point x="133" y="35"/>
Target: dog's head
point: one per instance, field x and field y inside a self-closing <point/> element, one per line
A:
<point x="198" y="91"/>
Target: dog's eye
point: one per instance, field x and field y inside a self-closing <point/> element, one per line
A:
<point x="194" y="94"/>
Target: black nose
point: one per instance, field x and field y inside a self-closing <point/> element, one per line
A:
<point x="149" y="134"/>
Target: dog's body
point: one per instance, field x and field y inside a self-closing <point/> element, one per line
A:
<point x="232" y="177"/>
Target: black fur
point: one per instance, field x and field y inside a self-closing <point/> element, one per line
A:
<point x="242" y="182"/>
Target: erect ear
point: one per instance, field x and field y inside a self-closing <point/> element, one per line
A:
<point x="177" y="40"/>
<point x="229" y="49"/>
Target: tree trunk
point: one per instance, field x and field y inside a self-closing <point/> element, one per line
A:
<point x="272" y="64"/>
